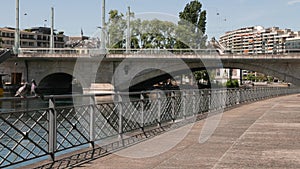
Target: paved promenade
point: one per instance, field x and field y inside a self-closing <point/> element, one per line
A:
<point x="265" y="134"/>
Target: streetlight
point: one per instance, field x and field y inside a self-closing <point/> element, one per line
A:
<point x="52" y="44"/>
<point x="17" y="30"/>
<point x="128" y="37"/>
<point x="106" y="34"/>
<point x="103" y="44"/>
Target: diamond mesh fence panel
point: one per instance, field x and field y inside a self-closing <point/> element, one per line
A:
<point x="23" y="136"/>
<point x="166" y="112"/>
<point x="72" y="126"/>
<point x="106" y="120"/>
<point x="131" y="116"/>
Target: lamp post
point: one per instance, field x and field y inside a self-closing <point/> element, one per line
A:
<point x="128" y="39"/>
<point x="103" y="28"/>
<point x="17" y="30"/>
<point x="52" y="30"/>
<point x="106" y="34"/>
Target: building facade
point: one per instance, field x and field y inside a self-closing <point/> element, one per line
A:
<point x="37" y="37"/>
<point x="223" y="75"/>
<point x="256" y="40"/>
<point x="292" y="44"/>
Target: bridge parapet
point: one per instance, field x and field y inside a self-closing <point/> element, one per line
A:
<point x="58" y="52"/>
<point x="146" y="53"/>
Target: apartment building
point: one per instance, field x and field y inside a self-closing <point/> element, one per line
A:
<point x="292" y="44"/>
<point x="36" y="37"/>
<point x="256" y="40"/>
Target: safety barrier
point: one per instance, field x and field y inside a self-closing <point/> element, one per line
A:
<point x="33" y="133"/>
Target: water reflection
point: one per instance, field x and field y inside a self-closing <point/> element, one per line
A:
<point x="11" y="105"/>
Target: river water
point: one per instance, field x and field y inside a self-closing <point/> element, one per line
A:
<point x="13" y="104"/>
<point x="11" y="110"/>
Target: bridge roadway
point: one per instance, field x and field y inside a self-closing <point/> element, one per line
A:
<point x="264" y="134"/>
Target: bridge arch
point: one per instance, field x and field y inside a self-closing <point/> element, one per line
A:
<point x="285" y="72"/>
<point x="56" y="83"/>
<point x="146" y="79"/>
<point x="60" y="77"/>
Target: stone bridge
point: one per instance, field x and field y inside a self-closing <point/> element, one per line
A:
<point x="62" y="67"/>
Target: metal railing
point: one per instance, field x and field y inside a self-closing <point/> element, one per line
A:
<point x="31" y="133"/>
<point x="91" y="52"/>
<point x="150" y="53"/>
<point x="96" y="51"/>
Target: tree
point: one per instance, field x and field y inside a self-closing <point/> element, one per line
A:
<point x="157" y="34"/>
<point x="191" y="26"/>
<point x="189" y="33"/>
<point x="116" y="29"/>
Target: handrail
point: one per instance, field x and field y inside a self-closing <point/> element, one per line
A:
<point x="145" y="50"/>
<point x="65" y="96"/>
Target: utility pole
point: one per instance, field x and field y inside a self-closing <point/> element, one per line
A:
<point x="17" y="30"/>
<point x="52" y="29"/>
<point x="103" y="44"/>
<point x="128" y="39"/>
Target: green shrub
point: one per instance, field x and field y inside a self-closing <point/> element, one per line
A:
<point x="232" y="84"/>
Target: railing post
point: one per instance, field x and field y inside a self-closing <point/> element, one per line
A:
<point x="142" y="98"/>
<point x="194" y="102"/>
<point x="92" y="121"/>
<point x="237" y="93"/>
<point x="120" y="106"/>
<point x="184" y="104"/>
<point x="209" y="97"/>
<point x="52" y="129"/>
<point x="159" y="109"/>
<point x="173" y="105"/>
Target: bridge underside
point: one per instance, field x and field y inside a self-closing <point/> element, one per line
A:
<point x="285" y="70"/>
<point x="56" y="83"/>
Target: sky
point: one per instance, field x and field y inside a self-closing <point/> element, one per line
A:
<point x="222" y="15"/>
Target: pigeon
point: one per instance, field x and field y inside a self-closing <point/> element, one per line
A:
<point x="23" y="90"/>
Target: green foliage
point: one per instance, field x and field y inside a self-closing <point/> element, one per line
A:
<point x="201" y="75"/>
<point x="117" y="27"/>
<point x="249" y="77"/>
<point x="191" y="27"/>
<point x="144" y="34"/>
<point x="157" y="34"/>
<point x="1" y="41"/>
<point x="232" y="84"/>
<point x="189" y="33"/>
<point x="257" y="78"/>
